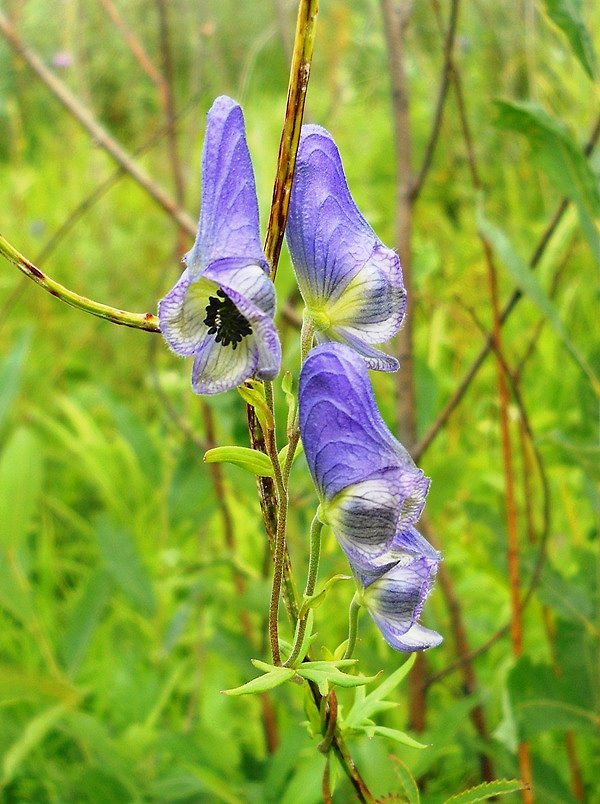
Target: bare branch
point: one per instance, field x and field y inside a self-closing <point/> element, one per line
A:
<point x="93" y="127"/>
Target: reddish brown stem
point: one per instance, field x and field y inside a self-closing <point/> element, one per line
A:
<point x="516" y="628"/>
<point x="132" y="42"/>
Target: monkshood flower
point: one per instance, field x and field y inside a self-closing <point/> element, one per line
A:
<point x="395" y="598"/>
<point x="350" y="282"/>
<point x="368" y="485"/>
<point x="221" y="309"/>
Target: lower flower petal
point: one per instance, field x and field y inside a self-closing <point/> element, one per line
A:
<point x="376" y="360"/>
<point x="218" y="368"/>
<point x="396" y="599"/>
<point x="182" y="311"/>
<point x="372" y="305"/>
<point x="363" y="519"/>
<point x="416" y="638"/>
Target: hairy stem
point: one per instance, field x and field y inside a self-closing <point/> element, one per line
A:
<point x="311" y="580"/>
<point x="353" y="613"/>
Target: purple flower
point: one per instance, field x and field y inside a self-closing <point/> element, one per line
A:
<point x="395" y="601"/>
<point x="350" y="282"/>
<point x="368" y="485"/>
<point x="221" y="309"/>
<point x="371" y="493"/>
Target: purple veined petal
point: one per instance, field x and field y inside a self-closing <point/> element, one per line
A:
<point x="363" y="519"/>
<point x="345" y="439"/>
<point x="219" y="368"/>
<point x="411" y="542"/>
<point x="374" y="358"/>
<point x="396" y="599"/>
<point x="351" y="283"/>
<point x="372" y="305"/>
<point x="416" y="638"/>
<point x="328" y="237"/>
<point x="182" y="311"/>
<point x="229" y="223"/>
<point x="246" y="279"/>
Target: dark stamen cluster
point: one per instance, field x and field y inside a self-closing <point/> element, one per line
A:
<point x="225" y="320"/>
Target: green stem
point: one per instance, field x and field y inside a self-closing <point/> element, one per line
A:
<point x="306" y="342"/>
<point x="146" y="321"/>
<point x="309" y="590"/>
<point x="352" y="626"/>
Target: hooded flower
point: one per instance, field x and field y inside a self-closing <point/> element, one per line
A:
<point x="395" y="596"/>
<point x="351" y="283"/>
<point x="395" y="601"/>
<point x="221" y="309"/>
<point x="371" y="493"/>
<point x="368" y="485"/>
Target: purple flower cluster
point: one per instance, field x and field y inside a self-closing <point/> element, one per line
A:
<point x="221" y="311"/>
<point x="371" y="493"/>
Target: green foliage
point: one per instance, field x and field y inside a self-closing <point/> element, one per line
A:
<point x="125" y="604"/>
<point x="253" y="461"/>
<point x="566" y="14"/>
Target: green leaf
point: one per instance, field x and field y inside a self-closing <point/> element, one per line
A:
<point x="365" y="707"/>
<point x="407" y="780"/>
<point x="271" y="679"/>
<point x="85" y="618"/>
<point x="287" y="384"/>
<point x="566" y="15"/>
<point x="314" y="601"/>
<point x="20" y="486"/>
<point x="32" y="735"/>
<point x="393" y="734"/>
<point x="325" y="674"/>
<point x="487" y="790"/>
<point x="560" y="158"/>
<point x="11" y="370"/>
<point x="308" y="638"/>
<point x="252" y="460"/>
<point x="543" y="701"/>
<point x="253" y="393"/>
<point x="123" y="563"/>
<point x="528" y="282"/>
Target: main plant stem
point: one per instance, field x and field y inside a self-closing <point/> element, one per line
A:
<point x="299" y="75"/>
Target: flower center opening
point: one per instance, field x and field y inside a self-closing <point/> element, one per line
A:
<point x="224" y="320"/>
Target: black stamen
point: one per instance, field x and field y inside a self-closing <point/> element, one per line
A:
<point x="225" y="321"/>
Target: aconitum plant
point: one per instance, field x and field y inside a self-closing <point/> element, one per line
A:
<point x="369" y="493"/>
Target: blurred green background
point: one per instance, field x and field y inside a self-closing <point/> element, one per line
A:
<point x="121" y="618"/>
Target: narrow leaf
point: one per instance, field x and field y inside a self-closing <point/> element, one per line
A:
<point x="528" y="282"/>
<point x="364" y="707"/>
<point x="407" y="780"/>
<point x="559" y="157"/>
<point x="85" y="617"/>
<point x="487" y="790"/>
<point x="20" y="486"/>
<point x="268" y="681"/>
<point x="253" y="461"/>
<point x="124" y="564"/>
<point x="566" y="15"/>
<point x="11" y="369"/>
<point x="32" y="736"/>
<point x="393" y="734"/>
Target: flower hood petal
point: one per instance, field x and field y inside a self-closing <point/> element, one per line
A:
<point x="352" y="284"/>
<point x="229" y="225"/>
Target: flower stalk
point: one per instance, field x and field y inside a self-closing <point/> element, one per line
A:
<point x="145" y="321"/>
